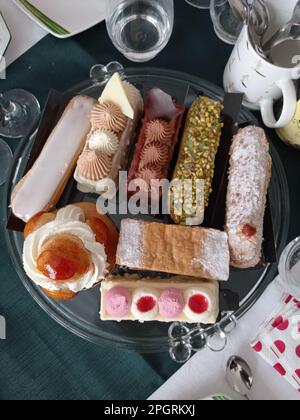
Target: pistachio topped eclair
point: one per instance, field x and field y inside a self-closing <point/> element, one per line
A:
<point x="196" y="162"/>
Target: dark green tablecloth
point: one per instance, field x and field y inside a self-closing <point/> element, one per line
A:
<point x="39" y="359"/>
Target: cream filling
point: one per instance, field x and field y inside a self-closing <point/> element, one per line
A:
<point x="63" y="225"/>
<point x="187" y="310"/>
<point x="144" y="316"/>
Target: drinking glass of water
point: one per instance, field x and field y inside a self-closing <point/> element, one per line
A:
<point x="140" y="29"/>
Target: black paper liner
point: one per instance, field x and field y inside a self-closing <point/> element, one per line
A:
<point x="215" y="213"/>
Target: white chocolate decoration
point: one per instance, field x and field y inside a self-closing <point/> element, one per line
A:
<point x="37" y="189"/>
<point x="149" y="296"/>
<point x="104" y="141"/>
<point x="115" y="92"/>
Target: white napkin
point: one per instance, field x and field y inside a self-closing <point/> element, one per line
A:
<point x="204" y="374"/>
<point x="25" y="33"/>
<point x="278" y="341"/>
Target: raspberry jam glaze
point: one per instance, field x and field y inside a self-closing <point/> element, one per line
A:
<point x="198" y="304"/>
<point x="64" y="257"/>
<point x="146" y="304"/>
<point x="249" y="230"/>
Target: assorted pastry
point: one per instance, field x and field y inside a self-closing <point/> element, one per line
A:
<point x="249" y="179"/>
<point x="68" y="251"/>
<point x="157" y="140"/>
<point x="195" y="252"/>
<point x="113" y="124"/>
<point x="196" y="160"/>
<point x="75" y="248"/>
<point x="180" y="299"/>
<point x="52" y="170"/>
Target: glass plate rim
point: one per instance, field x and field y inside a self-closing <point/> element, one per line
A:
<point x="151" y="344"/>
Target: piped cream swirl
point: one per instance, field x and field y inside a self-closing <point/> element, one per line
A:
<point x="148" y="174"/>
<point x="158" y="131"/>
<point x="156" y="155"/>
<point x="108" y="116"/>
<point x="94" y="165"/>
<point x="104" y="141"/>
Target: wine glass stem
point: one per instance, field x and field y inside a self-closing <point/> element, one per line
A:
<point x="9" y="110"/>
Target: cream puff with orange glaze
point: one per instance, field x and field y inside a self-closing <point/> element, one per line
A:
<point x="69" y="251"/>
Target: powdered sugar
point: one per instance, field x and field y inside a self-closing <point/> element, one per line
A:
<point x="129" y="251"/>
<point x="214" y="255"/>
<point x="250" y="168"/>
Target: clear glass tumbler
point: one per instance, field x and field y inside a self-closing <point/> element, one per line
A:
<point x="140" y="29"/>
<point x="289" y="268"/>
<point x="200" y="4"/>
<point x="226" y="24"/>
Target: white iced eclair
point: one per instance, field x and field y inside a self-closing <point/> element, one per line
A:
<point x="42" y="187"/>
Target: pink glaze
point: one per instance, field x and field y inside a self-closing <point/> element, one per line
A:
<point x="118" y="302"/>
<point x="171" y="303"/>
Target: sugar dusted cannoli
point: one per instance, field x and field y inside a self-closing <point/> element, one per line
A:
<point x="42" y="187"/>
<point x="249" y="179"/>
<point x="195" y="252"/>
<point x="181" y="299"/>
<point x="114" y="119"/>
<point x="68" y="251"/>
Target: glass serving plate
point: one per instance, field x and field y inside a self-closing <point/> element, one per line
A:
<point x="81" y="316"/>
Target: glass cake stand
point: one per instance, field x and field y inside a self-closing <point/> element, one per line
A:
<point x="81" y="316"/>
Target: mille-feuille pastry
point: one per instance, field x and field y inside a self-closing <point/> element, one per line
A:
<point x="249" y="179"/>
<point x="178" y="299"/>
<point x="157" y="140"/>
<point x="182" y="250"/>
<point x="43" y="185"/>
<point x="196" y="161"/>
<point x="114" y="120"/>
<point x="68" y="251"/>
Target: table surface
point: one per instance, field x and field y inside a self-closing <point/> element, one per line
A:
<point x="39" y="359"/>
